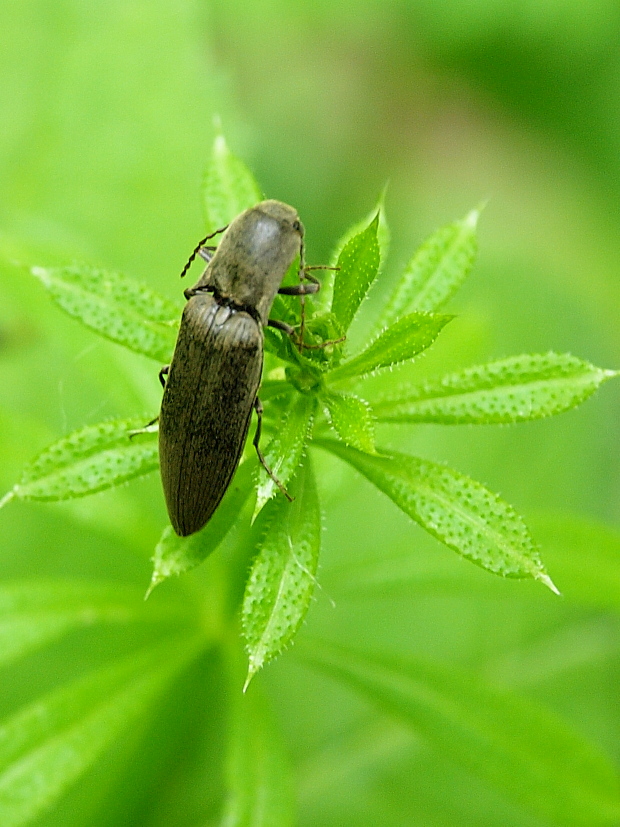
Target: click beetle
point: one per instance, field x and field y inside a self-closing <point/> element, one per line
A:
<point x="213" y="379"/>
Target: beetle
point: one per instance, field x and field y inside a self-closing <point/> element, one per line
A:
<point x="212" y="382"/>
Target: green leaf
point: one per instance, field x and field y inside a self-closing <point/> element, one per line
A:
<point x="455" y="509"/>
<point x="510" y="390"/>
<point x="176" y="555"/>
<point x="359" y="264"/>
<point x="89" y="460"/>
<point x="510" y="742"/>
<point x="323" y="299"/>
<point x="34" y="613"/>
<point x="285" y="451"/>
<point x="383" y="231"/>
<point x="400" y="342"/>
<point x="436" y="271"/>
<point x="47" y="746"/>
<point x="117" y="307"/>
<point x="229" y="187"/>
<point x="352" y="419"/>
<point x="258" y="773"/>
<point x="282" y="579"/>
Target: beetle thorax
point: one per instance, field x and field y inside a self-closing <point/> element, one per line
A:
<point x="255" y="252"/>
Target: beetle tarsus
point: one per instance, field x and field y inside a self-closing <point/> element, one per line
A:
<point x="163" y="372"/>
<point x="144" y="430"/>
<point x="258" y="407"/>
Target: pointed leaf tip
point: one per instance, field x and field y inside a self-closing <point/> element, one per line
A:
<point x="548" y="582"/>
<point x="156" y="579"/>
<point x="358" y="264"/>
<point x="471" y="219"/>
<point x="436" y="270"/>
<point x="7" y="497"/>
<point x="248" y="680"/>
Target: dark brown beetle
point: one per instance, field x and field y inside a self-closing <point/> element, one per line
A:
<point x="213" y="378"/>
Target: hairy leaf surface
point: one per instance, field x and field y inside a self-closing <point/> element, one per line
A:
<point x="286" y="449"/>
<point x="323" y="299"/>
<point x="519" y="388"/>
<point x="116" y="306"/>
<point x="359" y="265"/>
<point x="352" y="419"/>
<point x="89" y="460"/>
<point x="436" y="270"/>
<point x="460" y="512"/>
<point x="282" y="579"/>
<point x="400" y="342"/>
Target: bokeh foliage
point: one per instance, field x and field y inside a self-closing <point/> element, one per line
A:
<point x="107" y="113"/>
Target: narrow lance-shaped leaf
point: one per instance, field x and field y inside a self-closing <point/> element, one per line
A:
<point x="402" y="341"/>
<point x="436" y="271"/>
<point x="323" y="299"/>
<point x="460" y="512"/>
<point x="229" y="187"/>
<point x="34" y="613"/>
<point x="282" y="579"/>
<point x="359" y="264"/>
<point x="46" y="747"/>
<point x="116" y="306"/>
<point x="510" y="390"/>
<point x="175" y="555"/>
<point x="352" y="419"/>
<point x="89" y="460"/>
<point x="258" y="773"/>
<point x="286" y="449"/>
<point x="509" y="742"/>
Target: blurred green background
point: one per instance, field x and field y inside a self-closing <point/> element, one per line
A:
<point x="107" y="123"/>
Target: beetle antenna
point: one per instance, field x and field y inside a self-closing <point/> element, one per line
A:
<point x="196" y="249"/>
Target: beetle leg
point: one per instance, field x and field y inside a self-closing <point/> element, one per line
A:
<point x="196" y="249"/>
<point x="163" y="372"/>
<point x="283" y="326"/>
<point x="301" y="289"/>
<point x="328" y="343"/>
<point x="286" y="328"/>
<point x="317" y="267"/>
<point x="206" y="253"/>
<point x="258" y="407"/>
<point x="314" y="283"/>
